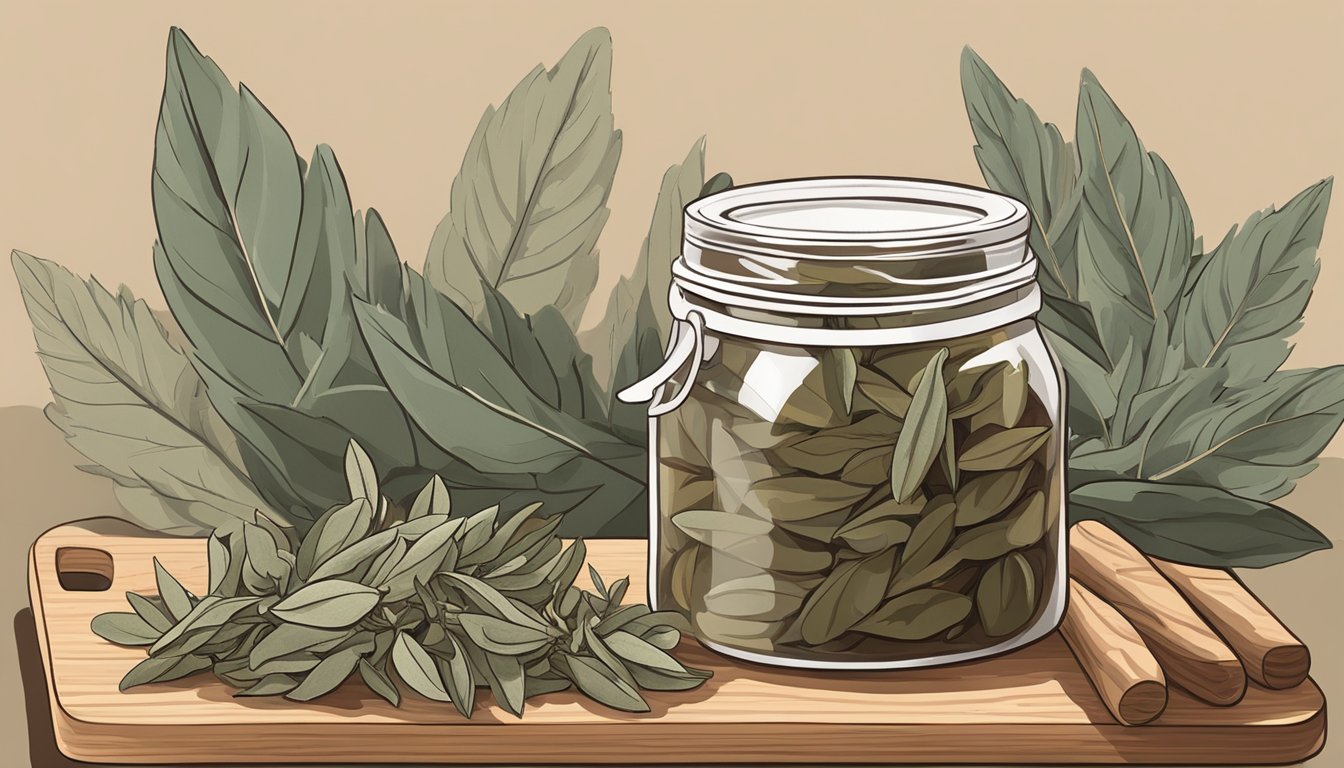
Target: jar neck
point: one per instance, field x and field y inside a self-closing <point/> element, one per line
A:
<point x="842" y="329"/>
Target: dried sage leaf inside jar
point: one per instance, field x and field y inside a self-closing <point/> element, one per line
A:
<point x="1006" y="595"/>
<point x="883" y="503"/>
<point x="922" y="434"/>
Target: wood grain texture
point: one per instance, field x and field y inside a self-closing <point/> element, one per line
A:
<point x="1111" y="653"/>
<point x="1191" y="655"/>
<point x="1272" y="655"/>
<point x="1032" y="706"/>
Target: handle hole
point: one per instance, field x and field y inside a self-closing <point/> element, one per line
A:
<point x="82" y="569"/>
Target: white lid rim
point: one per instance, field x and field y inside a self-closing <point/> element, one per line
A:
<point x="1002" y="218"/>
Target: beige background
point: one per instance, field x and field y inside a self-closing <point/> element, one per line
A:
<point x="1242" y="101"/>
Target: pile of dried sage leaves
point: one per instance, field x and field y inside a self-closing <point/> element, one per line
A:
<point x="445" y="603"/>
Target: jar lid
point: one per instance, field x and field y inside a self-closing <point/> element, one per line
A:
<point x="855" y="240"/>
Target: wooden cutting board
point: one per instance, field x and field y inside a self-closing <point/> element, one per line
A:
<point x="1030" y="706"/>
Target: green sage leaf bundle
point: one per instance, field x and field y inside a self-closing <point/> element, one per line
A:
<point x="446" y="603"/>
<point x="1172" y="351"/>
<point x="305" y="329"/>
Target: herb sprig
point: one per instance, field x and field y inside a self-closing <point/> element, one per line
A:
<point x="445" y="603"/>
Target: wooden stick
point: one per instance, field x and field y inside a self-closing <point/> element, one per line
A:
<point x="1272" y="656"/>
<point x="1111" y="653"/>
<point x="1191" y="655"/>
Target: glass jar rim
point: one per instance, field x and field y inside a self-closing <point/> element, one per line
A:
<point x="873" y="240"/>
<point x="816" y="216"/>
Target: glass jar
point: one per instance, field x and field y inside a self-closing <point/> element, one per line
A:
<point x="857" y="438"/>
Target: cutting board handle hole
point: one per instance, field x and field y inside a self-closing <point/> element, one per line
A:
<point x="83" y="569"/>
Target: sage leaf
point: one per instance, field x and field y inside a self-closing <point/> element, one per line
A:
<point x="332" y="604"/>
<point x="917" y="615"/>
<point x="124" y="629"/>
<point x="335" y="530"/>
<point x="653" y="680"/>
<point x="536" y="685"/>
<point x="208" y="614"/>
<point x="1196" y="525"/>
<point x="706" y="524"/>
<point x="929" y="537"/>
<point x="274" y="684"/>
<point x="432" y="500"/>
<point x="874" y="535"/>
<point x="379" y="683"/>
<point x="1135" y="231"/>
<point x="174" y="596"/>
<point x="637" y="651"/>
<point x="360" y="475"/>
<point x="496" y="635"/>
<point x="986" y="496"/>
<point x="1006" y="595"/>
<point x="530" y="199"/>
<point x="600" y="683"/>
<point x="1255" y="441"/>
<point x="544" y="351"/>
<point x="350" y="559"/>
<point x="760" y="596"/>
<point x="1029" y="160"/>
<point x="994" y="449"/>
<point x="326" y="676"/>
<point x="849" y="592"/>
<point x="152" y="614"/>
<point x="421" y="561"/>
<point x="922" y="433"/>
<point x="794" y="498"/>
<point x="128" y="400"/>
<point x="161" y="669"/>
<point x="620" y="618"/>
<point x="828" y="451"/>
<point x="456" y="672"/>
<point x="869" y="467"/>
<point x="263" y="552"/>
<point x="751" y="540"/>
<point x="1249" y="296"/>
<point x="839" y="371"/>
<point x="293" y="639"/>
<point x="248" y="298"/>
<point x="218" y="560"/>
<point x="884" y="393"/>
<point x="506" y="682"/>
<point x="494" y="602"/>
<point x="417" y="669"/>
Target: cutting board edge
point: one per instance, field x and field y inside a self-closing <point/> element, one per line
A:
<point x="683" y="744"/>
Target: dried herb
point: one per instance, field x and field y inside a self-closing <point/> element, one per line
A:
<point x="445" y="603"/>
<point x="910" y="515"/>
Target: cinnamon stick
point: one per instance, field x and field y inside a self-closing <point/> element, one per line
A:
<point x="1272" y="656"/>
<point x="1191" y="655"/>
<point x="1111" y="653"/>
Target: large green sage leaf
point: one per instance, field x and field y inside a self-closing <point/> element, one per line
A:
<point x="1252" y="289"/>
<point x="530" y="199"/>
<point x="129" y="401"/>
<point x="1195" y="524"/>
